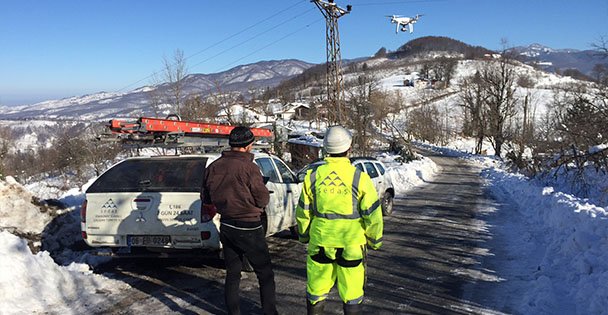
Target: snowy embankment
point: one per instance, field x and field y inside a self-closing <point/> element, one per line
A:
<point x="572" y="270"/>
<point x="556" y="244"/>
<point x="17" y="213"/>
<point x="405" y="176"/>
<point x="35" y="283"/>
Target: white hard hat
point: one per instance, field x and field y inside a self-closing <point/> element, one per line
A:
<point x="337" y="140"/>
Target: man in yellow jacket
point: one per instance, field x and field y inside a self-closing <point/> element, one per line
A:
<point x="338" y="215"/>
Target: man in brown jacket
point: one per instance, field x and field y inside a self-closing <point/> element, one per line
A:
<point x="234" y="184"/>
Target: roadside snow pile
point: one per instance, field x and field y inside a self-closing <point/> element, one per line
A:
<point x="17" y="211"/>
<point x="573" y="270"/>
<point x="35" y="284"/>
<point x="406" y="176"/>
<point x="594" y="186"/>
<point x="62" y="237"/>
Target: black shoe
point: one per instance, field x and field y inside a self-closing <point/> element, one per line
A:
<point x="315" y="309"/>
<point x="353" y="309"/>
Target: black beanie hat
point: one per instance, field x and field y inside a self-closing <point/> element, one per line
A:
<point x="240" y="137"/>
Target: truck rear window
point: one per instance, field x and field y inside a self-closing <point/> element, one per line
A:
<point x="152" y="175"/>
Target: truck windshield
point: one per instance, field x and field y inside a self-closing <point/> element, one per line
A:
<point x="152" y="175"/>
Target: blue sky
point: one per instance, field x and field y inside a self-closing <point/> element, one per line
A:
<point x="60" y="48"/>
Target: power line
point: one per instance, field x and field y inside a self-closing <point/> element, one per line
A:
<point x="246" y="29"/>
<point x="221" y="41"/>
<point x="270" y="44"/>
<point x="252" y="38"/>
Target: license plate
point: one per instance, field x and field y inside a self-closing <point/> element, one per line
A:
<point x="149" y="240"/>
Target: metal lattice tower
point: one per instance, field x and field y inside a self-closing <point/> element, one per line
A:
<point x="332" y="13"/>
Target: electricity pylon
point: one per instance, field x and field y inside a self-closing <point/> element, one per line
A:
<point x="332" y="13"/>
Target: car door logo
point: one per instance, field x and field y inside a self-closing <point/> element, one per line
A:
<point x="109" y="205"/>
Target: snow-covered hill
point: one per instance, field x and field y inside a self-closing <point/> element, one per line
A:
<point x="552" y="60"/>
<point x="105" y="105"/>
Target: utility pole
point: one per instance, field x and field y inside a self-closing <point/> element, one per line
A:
<point x="332" y="13"/>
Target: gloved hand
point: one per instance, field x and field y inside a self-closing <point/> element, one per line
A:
<point x="374" y="245"/>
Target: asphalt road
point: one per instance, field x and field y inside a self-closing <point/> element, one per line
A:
<point x="433" y="244"/>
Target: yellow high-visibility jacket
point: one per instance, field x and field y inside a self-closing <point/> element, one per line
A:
<point x="339" y="207"/>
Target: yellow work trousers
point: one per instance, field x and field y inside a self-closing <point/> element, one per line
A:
<point x="325" y="266"/>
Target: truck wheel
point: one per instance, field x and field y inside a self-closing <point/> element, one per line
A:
<point x="387" y="204"/>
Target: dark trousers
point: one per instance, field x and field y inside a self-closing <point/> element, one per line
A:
<point x="248" y="239"/>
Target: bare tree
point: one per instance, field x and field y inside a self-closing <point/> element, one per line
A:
<point x="473" y="98"/>
<point x="196" y="108"/>
<point x="444" y="69"/>
<point x="582" y="114"/>
<point x="156" y="98"/>
<point x="574" y="138"/>
<point x="425" y="123"/>
<point x="6" y="140"/>
<point x="384" y="104"/>
<point x="172" y="78"/>
<point x="524" y="132"/>
<point x="600" y="73"/>
<point x="601" y="46"/>
<point x="360" y="114"/>
<point x="499" y="80"/>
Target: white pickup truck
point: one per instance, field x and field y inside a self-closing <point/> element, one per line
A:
<point x="154" y="203"/>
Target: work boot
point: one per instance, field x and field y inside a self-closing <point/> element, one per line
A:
<point x="353" y="309"/>
<point x="315" y="309"/>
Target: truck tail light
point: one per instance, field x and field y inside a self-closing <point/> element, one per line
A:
<point x="208" y="212"/>
<point x="83" y="212"/>
<point x="205" y="235"/>
<point x="83" y="219"/>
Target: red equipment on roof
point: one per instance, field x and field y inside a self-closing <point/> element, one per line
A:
<point x="158" y="126"/>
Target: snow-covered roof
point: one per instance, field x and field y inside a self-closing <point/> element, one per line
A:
<point x="308" y="140"/>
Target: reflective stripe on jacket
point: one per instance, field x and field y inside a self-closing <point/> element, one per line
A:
<point x="339" y="207"/>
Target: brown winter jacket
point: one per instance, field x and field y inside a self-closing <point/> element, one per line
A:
<point x="234" y="184"/>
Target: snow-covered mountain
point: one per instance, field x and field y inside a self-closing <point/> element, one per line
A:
<point x="553" y="60"/>
<point x="102" y="105"/>
<point x="536" y="50"/>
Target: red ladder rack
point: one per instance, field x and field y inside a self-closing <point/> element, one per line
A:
<point x="158" y="127"/>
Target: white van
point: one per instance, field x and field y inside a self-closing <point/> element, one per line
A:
<point x="154" y="203"/>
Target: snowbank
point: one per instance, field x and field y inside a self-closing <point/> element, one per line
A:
<point x="573" y="269"/>
<point x="406" y="176"/>
<point x="17" y="211"/>
<point x="35" y="284"/>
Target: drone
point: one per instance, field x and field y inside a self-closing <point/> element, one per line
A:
<point x="404" y="22"/>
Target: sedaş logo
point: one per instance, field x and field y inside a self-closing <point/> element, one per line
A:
<point x="109" y="205"/>
<point x="333" y="184"/>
